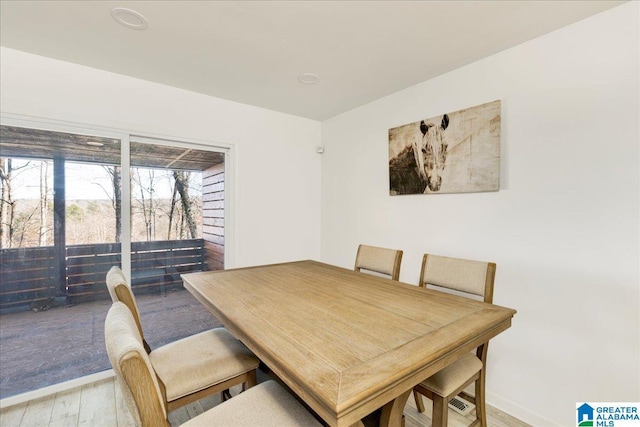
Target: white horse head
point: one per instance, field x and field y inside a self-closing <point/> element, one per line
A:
<point x="431" y="153"/>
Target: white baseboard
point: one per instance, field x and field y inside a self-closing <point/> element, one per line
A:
<point x="517" y="411"/>
<point x="55" y="388"/>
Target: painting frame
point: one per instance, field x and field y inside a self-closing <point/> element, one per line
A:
<point x="457" y="152"/>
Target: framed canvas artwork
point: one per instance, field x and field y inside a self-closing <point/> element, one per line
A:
<point x="456" y="152"/>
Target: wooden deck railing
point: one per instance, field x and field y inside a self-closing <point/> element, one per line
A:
<point x="28" y="275"/>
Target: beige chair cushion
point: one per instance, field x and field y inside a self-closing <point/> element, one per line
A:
<point x="199" y="361"/>
<point x="453" y="273"/>
<point x="453" y="376"/>
<point x="122" y="340"/>
<point x="377" y="259"/>
<point x="264" y="405"/>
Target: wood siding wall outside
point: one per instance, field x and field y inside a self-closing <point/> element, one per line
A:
<point x="213" y="216"/>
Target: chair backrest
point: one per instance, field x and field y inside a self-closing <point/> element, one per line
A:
<point x="472" y="277"/>
<point x="120" y="291"/>
<point x="133" y="369"/>
<point x="463" y="275"/>
<point x="380" y="260"/>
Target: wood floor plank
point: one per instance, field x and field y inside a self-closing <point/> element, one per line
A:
<point x="12" y="416"/>
<point x="38" y="412"/>
<point x="66" y="407"/>
<point x="210" y="401"/>
<point x="123" y="415"/>
<point x="102" y="404"/>
<point x="70" y="421"/>
<point x="502" y="419"/>
<point x="178" y="417"/>
<point x="194" y="409"/>
<point x="413" y="418"/>
<point x="98" y="404"/>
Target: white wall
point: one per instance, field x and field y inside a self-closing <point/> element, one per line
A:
<point x="563" y="229"/>
<point x="276" y="196"/>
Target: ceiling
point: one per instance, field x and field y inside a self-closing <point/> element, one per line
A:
<point x="253" y="51"/>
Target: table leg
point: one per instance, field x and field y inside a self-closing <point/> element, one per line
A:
<point x="392" y="411"/>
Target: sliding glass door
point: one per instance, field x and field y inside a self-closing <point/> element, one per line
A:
<point x="72" y="206"/>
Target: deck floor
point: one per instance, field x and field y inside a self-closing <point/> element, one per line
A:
<point x="67" y="342"/>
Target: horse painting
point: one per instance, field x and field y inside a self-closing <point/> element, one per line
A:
<point x="419" y="166"/>
<point x="458" y="152"/>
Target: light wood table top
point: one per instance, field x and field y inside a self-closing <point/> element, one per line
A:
<point x="345" y="342"/>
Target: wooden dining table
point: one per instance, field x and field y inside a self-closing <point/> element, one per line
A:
<point x="347" y="343"/>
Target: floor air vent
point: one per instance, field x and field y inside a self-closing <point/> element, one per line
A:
<point x="461" y="406"/>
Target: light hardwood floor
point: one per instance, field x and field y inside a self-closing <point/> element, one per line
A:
<point x="100" y="404"/>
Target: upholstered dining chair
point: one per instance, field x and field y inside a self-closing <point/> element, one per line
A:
<point x="469" y="278"/>
<point x="193" y="367"/>
<point x="379" y="260"/>
<point x="267" y="404"/>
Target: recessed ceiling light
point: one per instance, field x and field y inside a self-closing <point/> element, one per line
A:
<point x="95" y="143"/>
<point x="129" y="18"/>
<point x="308" y="78"/>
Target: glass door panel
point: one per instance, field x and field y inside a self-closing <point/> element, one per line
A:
<point x="93" y="226"/>
<point x="177" y="213"/>
<point x="58" y="238"/>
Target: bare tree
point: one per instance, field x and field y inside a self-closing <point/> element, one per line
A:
<point x="44" y="193"/>
<point x="172" y="209"/>
<point x="116" y="178"/>
<point x="8" y="204"/>
<point x="147" y="200"/>
<point x="115" y="172"/>
<point x="182" y="186"/>
<point x="23" y="228"/>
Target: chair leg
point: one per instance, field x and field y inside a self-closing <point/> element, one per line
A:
<point x="440" y="411"/>
<point x="419" y="403"/>
<point x="481" y="412"/>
